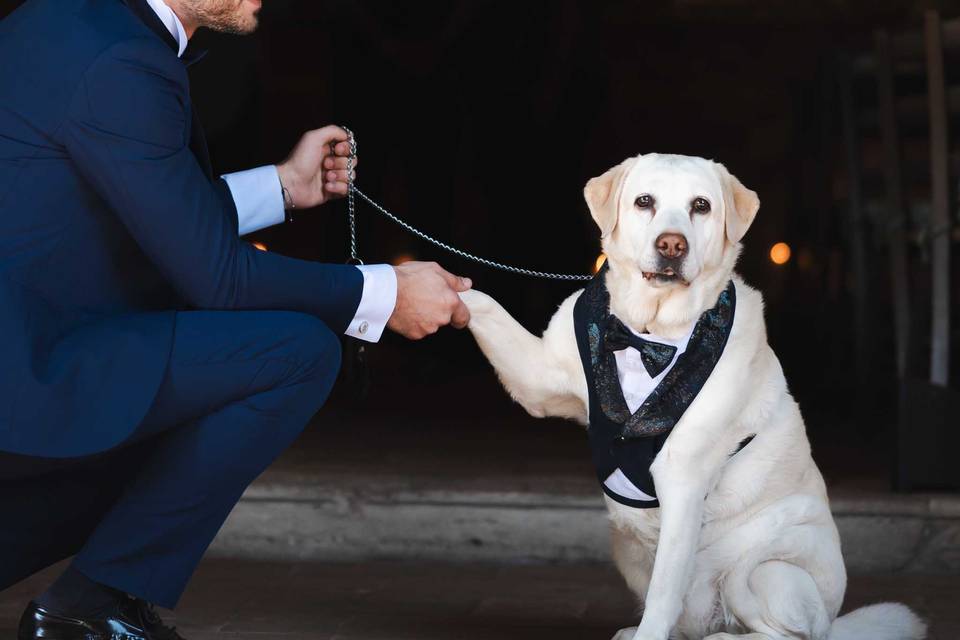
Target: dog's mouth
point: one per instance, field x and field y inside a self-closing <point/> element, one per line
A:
<point x="667" y="276"/>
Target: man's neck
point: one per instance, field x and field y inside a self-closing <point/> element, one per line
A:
<point x="189" y="23"/>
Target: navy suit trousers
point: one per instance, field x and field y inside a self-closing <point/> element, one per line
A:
<point x="240" y="387"/>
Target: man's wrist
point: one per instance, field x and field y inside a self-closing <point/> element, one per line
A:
<point x="286" y="183"/>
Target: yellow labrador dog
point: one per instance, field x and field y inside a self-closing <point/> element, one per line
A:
<point x="720" y="518"/>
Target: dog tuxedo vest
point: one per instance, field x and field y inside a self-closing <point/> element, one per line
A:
<point x="640" y="386"/>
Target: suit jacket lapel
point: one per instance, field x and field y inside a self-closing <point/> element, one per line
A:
<point x="150" y="18"/>
<point x="198" y="142"/>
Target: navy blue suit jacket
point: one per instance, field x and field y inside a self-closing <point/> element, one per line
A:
<point x="110" y="222"/>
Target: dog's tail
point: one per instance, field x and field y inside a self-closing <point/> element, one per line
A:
<point x="886" y="621"/>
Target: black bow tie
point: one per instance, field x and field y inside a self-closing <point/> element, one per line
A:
<point x="655" y="356"/>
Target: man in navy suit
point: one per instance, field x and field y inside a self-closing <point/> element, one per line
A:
<point x="154" y="363"/>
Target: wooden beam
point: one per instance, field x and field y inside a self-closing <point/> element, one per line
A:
<point x="907" y="50"/>
<point x="913" y="109"/>
<point x="940" y="211"/>
<point x="896" y="214"/>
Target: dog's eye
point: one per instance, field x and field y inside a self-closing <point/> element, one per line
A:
<point x="701" y="205"/>
<point x="644" y="201"/>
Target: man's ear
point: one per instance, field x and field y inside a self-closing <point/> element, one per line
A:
<point x="740" y="204"/>
<point x="603" y="193"/>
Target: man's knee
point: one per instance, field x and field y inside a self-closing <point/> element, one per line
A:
<point x="315" y="350"/>
<point x="310" y="354"/>
<point x="314" y="346"/>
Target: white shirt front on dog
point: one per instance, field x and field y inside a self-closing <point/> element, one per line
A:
<point x="637" y="385"/>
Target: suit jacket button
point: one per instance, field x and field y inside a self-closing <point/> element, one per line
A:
<point x="363" y="327"/>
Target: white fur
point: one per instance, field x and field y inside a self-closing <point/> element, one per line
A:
<point x="886" y="621"/>
<point x="743" y="545"/>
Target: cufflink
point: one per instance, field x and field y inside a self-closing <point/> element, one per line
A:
<point x="363" y="327"/>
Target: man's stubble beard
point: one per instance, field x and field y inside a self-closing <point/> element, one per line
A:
<point x="226" y="16"/>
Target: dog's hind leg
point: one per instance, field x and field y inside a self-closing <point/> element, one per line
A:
<point x="777" y="601"/>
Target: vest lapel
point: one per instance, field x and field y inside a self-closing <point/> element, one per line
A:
<point x="592" y="312"/>
<point x="667" y="403"/>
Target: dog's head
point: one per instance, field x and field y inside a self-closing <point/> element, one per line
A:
<point x="671" y="219"/>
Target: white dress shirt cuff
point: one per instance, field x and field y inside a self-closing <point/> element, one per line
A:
<point x="376" y="303"/>
<point x="258" y="198"/>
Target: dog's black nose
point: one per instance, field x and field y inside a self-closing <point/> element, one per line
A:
<point x="672" y="245"/>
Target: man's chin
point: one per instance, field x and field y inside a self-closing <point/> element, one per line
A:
<point x="242" y="20"/>
<point x="239" y="28"/>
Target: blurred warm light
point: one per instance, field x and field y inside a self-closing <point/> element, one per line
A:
<point x="260" y="245"/>
<point x="780" y="253"/>
<point x="400" y="258"/>
<point x="599" y="263"/>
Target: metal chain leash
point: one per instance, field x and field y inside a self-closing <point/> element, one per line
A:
<point x="351" y="203"/>
<point x="351" y="208"/>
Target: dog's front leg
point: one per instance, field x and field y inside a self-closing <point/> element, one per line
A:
<point x="681" y="513"/>
<point x="683" y="472"/>
<point x="539" y="373"/>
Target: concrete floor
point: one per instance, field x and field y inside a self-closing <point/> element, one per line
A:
<point x="231" y="599"/>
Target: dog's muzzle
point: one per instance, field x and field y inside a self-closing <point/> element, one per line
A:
<point x="671" y="249"/>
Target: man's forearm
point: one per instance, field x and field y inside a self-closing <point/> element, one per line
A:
<point x="258" y="199"/>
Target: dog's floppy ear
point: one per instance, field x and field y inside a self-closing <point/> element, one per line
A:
<point x="741" y="205"/>
<point x="603" y="193"/>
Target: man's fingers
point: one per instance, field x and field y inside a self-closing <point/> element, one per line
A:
<point x="339" y="188"/>
<point x="336" y="162"/>
<point x="342" y="148"/>
<point x="327" y="138"/>
<point x="338" y="176"/>
<point x="331" y="133"/>
<point x="461" y="316"/>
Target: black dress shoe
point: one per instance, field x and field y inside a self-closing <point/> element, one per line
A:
<point x="132" y="620"/>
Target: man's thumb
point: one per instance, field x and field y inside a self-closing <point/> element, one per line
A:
<point x="456" y="283"/>
<point x="462" y="284"/>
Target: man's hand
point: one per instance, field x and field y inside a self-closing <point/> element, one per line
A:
<point x="316" y="170"/>
<point x="427" y="299"/>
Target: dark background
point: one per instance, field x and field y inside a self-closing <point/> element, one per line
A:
<point x="481" y="121"/>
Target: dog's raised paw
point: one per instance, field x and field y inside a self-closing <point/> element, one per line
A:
<point x="625" y="634"/>
<point x="477" y="301"/>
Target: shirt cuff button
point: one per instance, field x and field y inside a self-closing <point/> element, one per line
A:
<point x="364" y="326"/>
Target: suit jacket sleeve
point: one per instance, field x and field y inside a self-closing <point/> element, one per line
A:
<point x="127" y="129"/>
